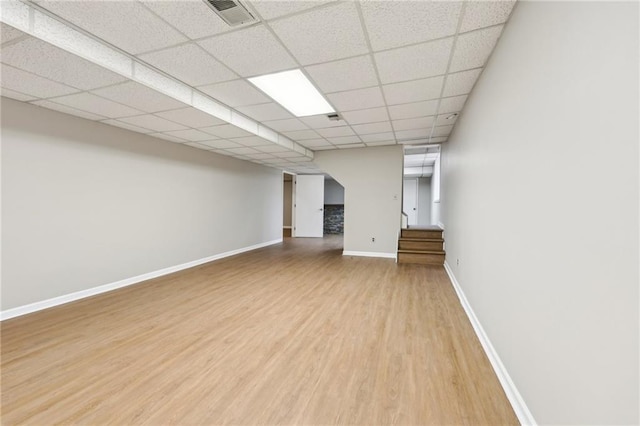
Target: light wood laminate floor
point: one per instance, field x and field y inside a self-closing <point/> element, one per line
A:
<point x="289" y="334"/>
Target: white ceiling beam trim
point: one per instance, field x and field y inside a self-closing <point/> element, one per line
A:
<point x="30" y="20"/>
<point x="418" y="171"/>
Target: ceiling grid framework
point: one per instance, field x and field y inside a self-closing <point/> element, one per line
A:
<point x="396" y="72"/>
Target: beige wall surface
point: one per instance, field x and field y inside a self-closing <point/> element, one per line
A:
<point x="550" y="271"/>
<point x="333" y="192"/>
<point x="372" y="181"/>
<point x="86" y="204"/>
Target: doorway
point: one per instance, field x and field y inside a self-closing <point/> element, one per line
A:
<point x="287" y="207"/>
<point x="333" y="207"/>
<point x="410" y="200"/>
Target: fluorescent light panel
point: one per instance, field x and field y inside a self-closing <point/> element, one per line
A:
<point x="293" y="90"/>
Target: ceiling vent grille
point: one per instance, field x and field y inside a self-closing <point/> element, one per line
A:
<point x="231" y="11"/>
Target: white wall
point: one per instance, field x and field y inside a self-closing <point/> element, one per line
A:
<point x="85" y="204"/>
<point x="333" y="192"/>
<point x="550" y="271"/>
<point x="372" y="181"/>
<point x="424" y="201"/>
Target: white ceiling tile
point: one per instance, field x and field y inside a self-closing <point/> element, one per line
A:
<point x="191" y="117"/>
<point x="261" y="156"/>
<point x="167" y="137"/>
<point x="154" y="123"/>
<point x="68" y="110"/>
<point x="413" y="123"/>
<point x="226" y="131"/>
<point x="461" y="83"/>
<point x="271" y="148"/>
<point x="8" y="33"/>
<point x="378" y="137"/>
<point x="221" y="144"/>
<point x="479" y="14"/>
<point x="235" y="93"/>
<point x="192" y="17"/>
<point x="243" y="150"/>
<point x="473" y="49"/>
<point x="252" y="141"/>
<point x="46" y="60"/>
<point x="453" y="104"/>
<point x="287" y="154"/>
<point x="125" y="24"/>
<point x="438" y="140"/>
<point x="357" y="99"/>
<point x="198" y="145"/>
<point x="413" y="91"/>
<point x="302" y="135"/>
<point x="139" y="96"/>
<point x="367" y="129"/>
<point x="442" y="131"/>
<point x="404" y="135"/>
<point x="8" y="93"/>
<point x="191" y="135"/>
<point x="381" y="143"/>
<point x="347" y="74"/>
<point x="324" y="34"/>
<point x="96" y="105"/>
<point x="264" y="112"/>
<point x="312" y="143"/>
<point x="127" y="126"/>
<point x="250" y="52"/>
<point x="273" y="160"/>
<point x="344" y="140"/>
<point x="414" y="109"/>
<point x="371" y="115"/>
<point x="353" y="145"/>
<point x="419" y="61"/>
<point x="321" y="121"/>
<point x="189" y="63"/>
<point x="398" y="23"/>
<point x="336" y="131"/>
<point x="444" y="120"/>
<point x="288" y="125"/>
<point x="324" y="148"/>
<point x="274" y="9"/>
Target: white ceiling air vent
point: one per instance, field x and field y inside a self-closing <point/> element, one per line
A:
<point x="231" y="11"/>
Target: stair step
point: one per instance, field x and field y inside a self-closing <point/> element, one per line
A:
<point x="421" y="233"/>
<point x="423" y="257"/>
<point x="420" y="244"/>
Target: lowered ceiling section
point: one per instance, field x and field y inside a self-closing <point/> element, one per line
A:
<point x="395" y="72"/>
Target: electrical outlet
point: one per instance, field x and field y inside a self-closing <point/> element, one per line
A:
<point x="457" y="262"/>
<point x="373" y="239"/>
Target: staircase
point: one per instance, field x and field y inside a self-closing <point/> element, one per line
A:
<point x="422" y="245"/>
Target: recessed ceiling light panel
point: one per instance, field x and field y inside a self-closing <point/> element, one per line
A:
<point x="293" y="90"/>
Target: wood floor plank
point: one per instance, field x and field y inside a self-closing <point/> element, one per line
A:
<point x="289" y="334"/>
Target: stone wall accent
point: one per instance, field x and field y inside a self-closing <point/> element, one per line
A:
<point x="334" y="218"/>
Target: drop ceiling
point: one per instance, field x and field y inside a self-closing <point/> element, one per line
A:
<point x="393" y="70"/>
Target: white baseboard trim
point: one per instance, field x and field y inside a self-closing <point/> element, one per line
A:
<point x="441" y="225"/>
<point x="519" y="406"/>
<point x="369" y="254"/>
<point x="49" y="303"/>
